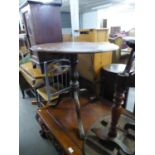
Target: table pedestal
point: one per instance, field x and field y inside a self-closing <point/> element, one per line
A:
<point x="75" y="93"/>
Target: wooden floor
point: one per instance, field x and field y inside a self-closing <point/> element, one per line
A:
<point x="62" y="123"/>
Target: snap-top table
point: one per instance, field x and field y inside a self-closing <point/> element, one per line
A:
<point x="72" y="49"/>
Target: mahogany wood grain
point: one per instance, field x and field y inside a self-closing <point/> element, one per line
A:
<point x="46" y="23"/>
<point x="62" y="122"/>
<point x="42" y="23"/>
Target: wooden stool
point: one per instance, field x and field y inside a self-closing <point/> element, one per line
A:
<point x="115" y="130"/>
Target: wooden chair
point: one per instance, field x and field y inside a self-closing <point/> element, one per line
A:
<point x="57" y="77"/>
<point x="29" y="78"/>
<point x="122" y="54"/>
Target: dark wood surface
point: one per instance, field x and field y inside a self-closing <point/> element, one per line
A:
<point x="97" y="143"/>
<point x="42" y="23"/>
<point x="64" y="114"/>
<point x="75" y="47"/>
<point x="46" y="23"/>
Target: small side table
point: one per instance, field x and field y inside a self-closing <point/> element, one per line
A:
<point x="71" y="50"/>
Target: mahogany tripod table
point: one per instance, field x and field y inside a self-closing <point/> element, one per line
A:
<point x="71" y="50"/>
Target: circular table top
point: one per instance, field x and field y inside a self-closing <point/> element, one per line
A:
<point x="75" y="47"/>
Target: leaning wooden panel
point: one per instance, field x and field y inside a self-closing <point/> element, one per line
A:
<point x="34" y="72"/>
<point x="32" y="75"/>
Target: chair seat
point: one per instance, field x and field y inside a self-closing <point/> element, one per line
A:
<point x="43" y="94"/>
<point x="34" y="83"/>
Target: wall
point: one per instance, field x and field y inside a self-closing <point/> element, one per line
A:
<point x="121" y="15"/>
<point x="89" y="20"/>
<point x="65" y="19"/>
<point x="117" y="15"/>
<point x="66" y="22"/>
<point x="21" y="1"/>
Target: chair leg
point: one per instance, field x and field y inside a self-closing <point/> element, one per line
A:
<point x="38" y="100"/>
<point x="23" y="94"/>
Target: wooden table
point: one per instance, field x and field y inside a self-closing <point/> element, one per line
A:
<point x="73" y="49"/>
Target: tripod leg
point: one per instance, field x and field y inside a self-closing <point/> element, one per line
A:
<point x="78" y="113"/>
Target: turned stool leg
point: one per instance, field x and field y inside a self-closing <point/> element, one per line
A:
<point x="116" y="113"/>
<point x="75" y="91"/>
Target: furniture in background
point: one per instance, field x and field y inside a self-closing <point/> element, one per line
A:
<point x="23" y="45"/>
<point x="92" y="35"/>
<point x="117" y="54"/>
<point x="121" y="55"/>
<point x="110" y="72"/>
<point x="42" y="23"/>
<point x="114" y="30"/>
<point x="90" y="64"/>
<point x="126" y="50"/>
<point x="67" y="37"/>
<point x="131" y="32"/>
<point x="30" y="78"/>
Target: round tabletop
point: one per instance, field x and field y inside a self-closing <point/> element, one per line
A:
<point x="75" y="47"/>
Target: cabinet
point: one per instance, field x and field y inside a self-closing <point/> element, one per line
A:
<point x="93" y="35"/>
<point x="90" y="64"/>
<point x="42" y="23"/>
